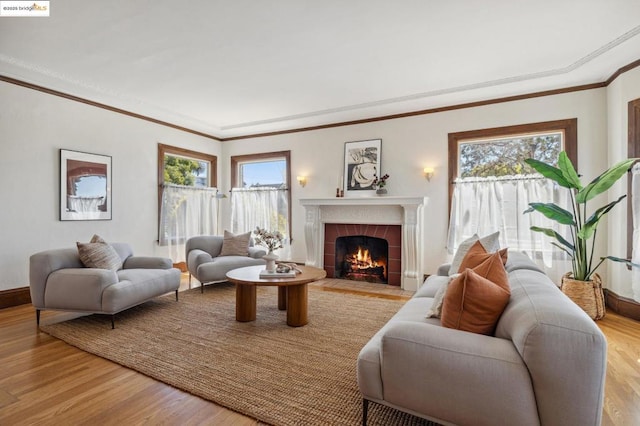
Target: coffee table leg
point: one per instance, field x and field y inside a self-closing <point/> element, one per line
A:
<point x="297" y="305"/>
<point x="282" y="298"/>
<point x="245" y="303"/>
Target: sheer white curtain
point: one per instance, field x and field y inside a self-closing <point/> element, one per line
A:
<point x="486" y="205"/>
<point x="264" y="207"/>
<point x="186" y="211"/>
<point x="635" y="210"/>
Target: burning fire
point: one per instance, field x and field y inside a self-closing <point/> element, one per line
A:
<point x="362" y="260"/>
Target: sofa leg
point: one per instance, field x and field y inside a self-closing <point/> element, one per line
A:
<point x="365" y="409"/>
<point x="176" y="295"/>
<point x="189" y="280"/>
<point x="202" y="287"/>
<point x="38" y="317"/>
<point x="113" y="321"/>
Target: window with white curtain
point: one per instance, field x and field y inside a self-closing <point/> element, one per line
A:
<point x="188" y="202"/>
<point x="492" y="186"/>
<point x="260" y="193"/>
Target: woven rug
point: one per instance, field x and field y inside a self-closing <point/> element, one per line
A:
<point x="263" y="369"/>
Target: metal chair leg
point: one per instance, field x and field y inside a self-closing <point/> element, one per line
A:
<point x="365" y="410"/>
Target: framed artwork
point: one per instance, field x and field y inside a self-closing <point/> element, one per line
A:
<point x="85" y="186"/>
<point x="361" y="165"/>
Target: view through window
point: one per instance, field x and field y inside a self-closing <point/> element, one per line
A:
<point x="260" y="193"/>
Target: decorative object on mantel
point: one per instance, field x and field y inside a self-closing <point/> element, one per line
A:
<point x="582" y="285"/>
<point x="380" y="183"/>
<point x="361" y="164"/>
<point x="272" y="240"/>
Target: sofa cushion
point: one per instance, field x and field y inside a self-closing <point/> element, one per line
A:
<point x="235" y="245"/>
<point x="98" y="254"/>
<point x="473" y="303"/>
<point x="477" y="254"/>
<point x="490" y="242"/>
<point x="475" y="300"/>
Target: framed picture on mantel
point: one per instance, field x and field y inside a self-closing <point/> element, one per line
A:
<point x="361" y="165"/>
<point x="85" y="186"/>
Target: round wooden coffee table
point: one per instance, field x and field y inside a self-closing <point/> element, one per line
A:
<point x="292" y="292"/>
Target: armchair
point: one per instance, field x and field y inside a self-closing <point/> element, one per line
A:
<point x="207" y="266"/>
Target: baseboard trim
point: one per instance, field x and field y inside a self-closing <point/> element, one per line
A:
<point x="14" y="297"/>
<point x="622" y="305"/>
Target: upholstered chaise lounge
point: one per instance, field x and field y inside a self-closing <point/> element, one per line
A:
<point x="545" y="363"/>
<point x="209" y="263"/>
<point x="60" y="281"/>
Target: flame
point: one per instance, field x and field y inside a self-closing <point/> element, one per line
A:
<point x="362" y="260"/>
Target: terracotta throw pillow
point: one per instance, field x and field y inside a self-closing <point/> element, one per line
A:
<point x="98" y="254"/>
<point x="235" y="245"/>
<point x="477" y="254"/>
<point x="475" y="300"/>
<point x="490" y="243"/>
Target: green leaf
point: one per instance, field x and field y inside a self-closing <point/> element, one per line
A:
<point x="604" y="181"/>
<point x="619" y="259"/>
<point x="568" y="171"/>
<point x="553" y="212"/>
<point x="591" y="224"/>
<point x="551" y="233"/>
<point x="570" y="253"/>
<point x="549" y="172"/>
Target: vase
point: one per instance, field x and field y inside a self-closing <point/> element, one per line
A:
<point x="381" y="191"/>
<point x="588" y="295"/>
<point x="271" y="261"/>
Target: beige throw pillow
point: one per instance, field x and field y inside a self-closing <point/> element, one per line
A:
<point x="98" y="254"/>
<point x="436" y="308"/>
<point x="490" y="242"/>
<point x="235" y="245"/>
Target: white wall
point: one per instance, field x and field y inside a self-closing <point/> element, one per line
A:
<point x="409" y="144"/>
<point x="624" y="89"/>
<point x="33" y="128"/>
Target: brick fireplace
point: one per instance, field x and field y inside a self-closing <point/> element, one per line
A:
<point x="392" y="234"/>
<point x="398" y="219"/>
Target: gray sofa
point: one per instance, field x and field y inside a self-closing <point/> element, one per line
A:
<point x="59" y="281"/>
<point x="546" y="364"/>
<point x="205" y="263"/>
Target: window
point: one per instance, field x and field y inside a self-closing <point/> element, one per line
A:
<point x="491" y="185"/>
<point x="260" y="193"/>
<point x="187" y="197"/>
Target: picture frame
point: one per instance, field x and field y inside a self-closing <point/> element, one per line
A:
<point x="85" y="186"/>
<point x="362" y="160"/>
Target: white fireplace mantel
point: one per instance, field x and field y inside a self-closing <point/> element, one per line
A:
<point x="387" y="210"/>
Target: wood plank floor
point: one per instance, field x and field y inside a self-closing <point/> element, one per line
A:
<point x="47" y="382"/>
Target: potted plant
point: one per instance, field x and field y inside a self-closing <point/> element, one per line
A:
<point x="583" y="285"/>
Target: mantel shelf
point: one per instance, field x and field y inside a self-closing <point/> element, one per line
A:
<point x="385" y="200"/>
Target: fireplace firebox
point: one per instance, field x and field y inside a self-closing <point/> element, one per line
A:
<point x="362" y="258"/>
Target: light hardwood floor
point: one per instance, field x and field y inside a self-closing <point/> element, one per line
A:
<point x="45" y="381"/>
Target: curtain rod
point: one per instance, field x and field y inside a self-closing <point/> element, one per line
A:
<point x="497" y="179"/>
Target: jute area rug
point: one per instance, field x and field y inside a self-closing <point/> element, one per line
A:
<point x="264" y="369"/>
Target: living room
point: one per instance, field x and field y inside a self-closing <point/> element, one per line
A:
<point x="44" y="112"/>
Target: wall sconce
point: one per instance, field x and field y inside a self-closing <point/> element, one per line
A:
<point x="428" y="173"/>
<point x="302" y="180"/>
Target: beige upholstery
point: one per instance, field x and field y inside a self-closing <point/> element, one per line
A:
<point x="59" y="281"/>
<point x="205" y="263"/>
<point x="545" y="365"/>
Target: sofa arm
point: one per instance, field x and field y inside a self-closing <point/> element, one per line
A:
<point x="78" y="289"/>
<point x="257" y="252"/>
<point x="44" y="263"/>
<point x="195" y="258"/>
<point x="443" y="269"/>
<point x="147" y="262"/>
<point x="455" y="376"/>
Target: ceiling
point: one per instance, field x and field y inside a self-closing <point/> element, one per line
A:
<point x="241" y="67"/>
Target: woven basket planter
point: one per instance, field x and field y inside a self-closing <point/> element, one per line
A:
<point x="586" y="294"/>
